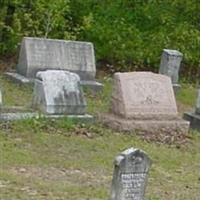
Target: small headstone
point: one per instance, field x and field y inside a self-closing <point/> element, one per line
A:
<point x="130" y="175"/>
<point x="143" y="101"/>
<point x="40" y="54"/>
<point x="198" y="103"/>
<point x="58" y="92"/>
<point x="0" y="98"/>
<point x="194" y="117"/>
<point x="170" y="65"/>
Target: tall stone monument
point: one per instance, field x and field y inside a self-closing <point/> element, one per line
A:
<point x="194" y="117"/>
<point x="143" y="101"/>
<point x="130" y="175"/>
<point x="58" y="92"/>
<point x="170" y="65"/>
<point x="39" y="54"/>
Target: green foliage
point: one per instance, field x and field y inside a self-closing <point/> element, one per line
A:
<point x="40" y="18"/>
<point x="126" y="34"/>
<point x="134" y="33"/>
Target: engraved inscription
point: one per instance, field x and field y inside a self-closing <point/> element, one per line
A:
<point x="148" y="96"/>
<point x="132" y="185"/>
<point x="42" y="55"/>
<point x="74" y="55"/>
<point x="78" y="55"/>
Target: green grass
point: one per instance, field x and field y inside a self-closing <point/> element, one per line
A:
<point x="57" y="159"/>
<point x="187" y="95"/>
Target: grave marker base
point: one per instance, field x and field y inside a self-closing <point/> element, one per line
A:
<point x="18" y="78"/>
<point x="150" y="126"/>
<point x="29" y="115"/>
<point x="194" y="120"/>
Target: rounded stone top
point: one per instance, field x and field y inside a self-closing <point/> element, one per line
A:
<point x="173" y="52"/>
<point x="56" y="73"/>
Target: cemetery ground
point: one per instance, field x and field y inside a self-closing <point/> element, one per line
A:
<point x="59" y="159"/>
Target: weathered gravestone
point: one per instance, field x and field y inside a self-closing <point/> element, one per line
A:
<point x="194" y="117"/>
<point x="130" y="175"/>
<point x="0" y="98"/>
<point x="143" y="101"/>
<point x="170" y="65"/>
<point x="39" y="54"/>
<point x="58" y="92"/>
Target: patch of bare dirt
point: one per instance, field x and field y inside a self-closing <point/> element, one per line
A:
<point x="70" y="176"/>
<point x="8" y="62"/>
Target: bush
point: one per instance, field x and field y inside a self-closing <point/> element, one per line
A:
<point x="126" y="34"/>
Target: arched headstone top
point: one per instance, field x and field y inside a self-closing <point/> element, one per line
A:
<point x="130" y="175"/>
<point x="133" y="160"/>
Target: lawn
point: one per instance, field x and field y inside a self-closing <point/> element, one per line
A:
<point x="44" y="159"/>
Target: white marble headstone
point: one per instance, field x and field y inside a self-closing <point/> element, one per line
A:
<point x="58" y="92"/>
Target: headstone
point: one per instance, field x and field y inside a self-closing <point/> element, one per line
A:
<point x="143" y="95"/>
<point x="0" y="98"/>
<point x="58" y="92"/>
<point x="170" y="65"/>
<point x="194" y="117"/>
<point x="143" y="101"/>
<point x="39" y="54"/>
<point x="130" y="175"/>
<point x="198" y="103"/>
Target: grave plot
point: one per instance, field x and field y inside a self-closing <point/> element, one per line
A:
<point x="144" y="102"/>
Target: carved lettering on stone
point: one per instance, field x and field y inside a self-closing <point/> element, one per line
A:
<point x="143" y="93"/>
<point x="130" y="175"/>
<point x="39" y="54"/>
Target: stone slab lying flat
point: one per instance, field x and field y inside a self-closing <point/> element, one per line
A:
<point x="29" y="115"/>
<point x="18" y="78"/>
<point x="194" y="120"/>
<point x="17" y="116"/>
<point x="150" y="126"/>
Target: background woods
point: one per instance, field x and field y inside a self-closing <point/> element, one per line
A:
<point x="128" y="35"/>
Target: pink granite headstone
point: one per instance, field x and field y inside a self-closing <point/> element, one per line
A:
<point x="144" y="101"/>
<point x="143" y="95"/>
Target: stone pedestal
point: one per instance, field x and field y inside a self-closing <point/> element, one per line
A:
<point x="149" y="126"/>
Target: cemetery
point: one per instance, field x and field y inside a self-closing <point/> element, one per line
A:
<point x="47" y="122"/>
<point x="86" y="117"/>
